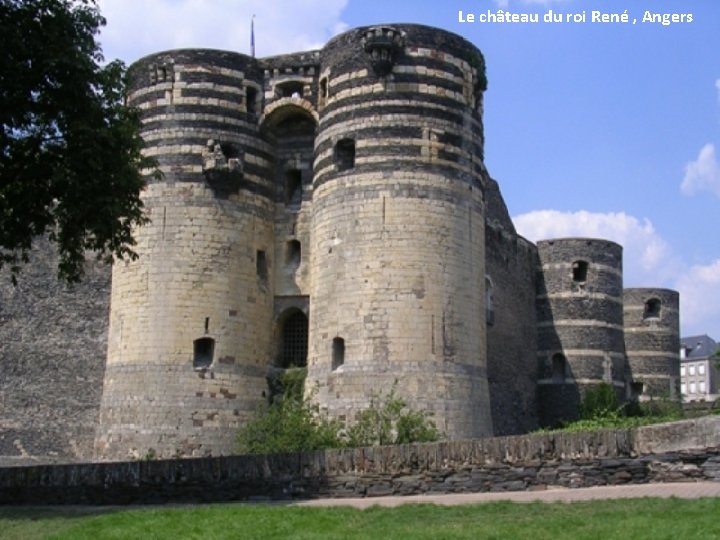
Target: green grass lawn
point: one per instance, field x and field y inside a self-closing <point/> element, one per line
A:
<point x="634" y="519"/>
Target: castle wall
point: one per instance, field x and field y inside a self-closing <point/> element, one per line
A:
<point x="510" y="267"/>
<point x="289" y="123"/>
<point x="189" y="337"/>
<point x="652" y="342"/>
<point x="687" y="451"/>
<point x="330" y="207"/>
<point x="52" y="358"/>
<point x="398" y="229"/>
<point x="580" y="323"/>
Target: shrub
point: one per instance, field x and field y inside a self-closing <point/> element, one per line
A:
<point x="290" y="423"/>
<point x="599" y="402"/>
<point x="388" y="420"/>
<point x="662" y="408"/>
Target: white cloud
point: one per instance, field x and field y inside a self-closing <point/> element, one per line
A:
<point x="703" y="174"/>
<point x="135" y="28"/>
<point x="717" y="86"/>
<point x="647" y="259"/>
<point x="699" y="290"/>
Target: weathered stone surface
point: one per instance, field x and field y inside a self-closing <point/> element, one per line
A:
<point x="52" y="351"/>
<point x="575" y="461"/>
<point x="343" y="193"/>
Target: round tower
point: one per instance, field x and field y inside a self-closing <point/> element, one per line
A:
<point x="397" y="260"/>
<point x="190" y="319"/>
<point x="652" y="342"/>
<point x="580" y="323"/>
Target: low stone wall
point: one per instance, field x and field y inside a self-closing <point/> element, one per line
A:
<point x="679" y="451"/>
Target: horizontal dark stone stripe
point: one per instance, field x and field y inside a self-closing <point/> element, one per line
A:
<point x="172" y="160"/>
<point x="353" y="193"/>
<point x="432" y="63"/>
<point x="462" y="141"/>
<point x="245" y="184"/>
<point x="552" y="282"/>
<point x="226" y="137"/>
<point x="579" y="309"/>
<point x="191" y="77"/>
<point x="452" y="112"/>
<point x="139" y="72"/>
<point x="658" y="341"/>
<point x="136" y="101"/>
<point x="399" y="78"/>
<point x="387" y="150"/>
<point x="344" y="52"/>
<point x="413" y="134"/>
<point x="217" y="110"/>
<point x="650" y="365"/>
<point x="592" y="250"/>
<point x="211" y="93"/>
<point x="221" y="136"/>
<point x="422" y="167"/>
<point x="581" y="338"/>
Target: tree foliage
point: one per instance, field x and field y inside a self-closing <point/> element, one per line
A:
<point x="70" y="151"/>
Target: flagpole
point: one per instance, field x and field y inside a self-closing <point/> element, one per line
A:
<point x="252" y="36"/>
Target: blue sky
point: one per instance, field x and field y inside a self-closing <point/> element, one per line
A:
<point x="605" y="130"/>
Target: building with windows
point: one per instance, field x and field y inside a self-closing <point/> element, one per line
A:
<point x="699" y="374"/>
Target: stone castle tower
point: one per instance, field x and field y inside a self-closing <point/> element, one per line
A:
<point x="332" y="209"/>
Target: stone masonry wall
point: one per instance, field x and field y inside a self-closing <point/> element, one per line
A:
<point x="398" y="228"/>
<point x="510" y="264"/>
<point x="681" y="451"/>
<point x="190" y="325"/>
<point x="652" y="341"/>
<point x="580" y="323"/>
<point x="53" y="340"/>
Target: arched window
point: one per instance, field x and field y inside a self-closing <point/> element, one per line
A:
<point x="345" y="154"/>
<point x="652" y="309"/>
<point x="295" y="340"/>
<point x="203" y="350"/>
<point x="338" y="352"/>
<point x="559" y="366"/>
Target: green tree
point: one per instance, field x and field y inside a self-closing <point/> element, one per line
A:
<point x="70" y="151"/>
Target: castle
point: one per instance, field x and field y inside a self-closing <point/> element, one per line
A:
<point x="332" y="209"/>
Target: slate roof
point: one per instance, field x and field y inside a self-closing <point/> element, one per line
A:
<point x="698" y="347"/>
